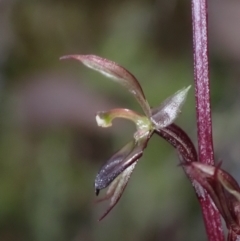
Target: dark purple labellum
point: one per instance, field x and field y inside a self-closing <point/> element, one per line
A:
<point x="119" y="162"/>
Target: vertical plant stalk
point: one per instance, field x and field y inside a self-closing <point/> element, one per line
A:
<point x="204" y="123"/>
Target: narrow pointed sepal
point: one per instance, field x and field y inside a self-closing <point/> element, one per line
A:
<point x="117" y="73"/>
<point x="169" y="110"/>
<point x="116" y="188"/>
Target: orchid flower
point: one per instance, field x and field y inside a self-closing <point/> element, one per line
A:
<point x="115" y="173"/>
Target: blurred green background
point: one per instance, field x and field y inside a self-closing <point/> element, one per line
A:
<point x="50" y="145"/>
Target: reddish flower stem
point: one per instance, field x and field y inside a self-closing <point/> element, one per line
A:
<point x="204" y="122"/>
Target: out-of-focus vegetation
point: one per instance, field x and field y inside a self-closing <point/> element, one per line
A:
<point x="50" y="146"/>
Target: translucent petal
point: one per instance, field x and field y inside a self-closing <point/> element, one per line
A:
<point x="169" y="110"/>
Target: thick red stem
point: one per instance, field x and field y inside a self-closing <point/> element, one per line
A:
<point x="204" y="122"/>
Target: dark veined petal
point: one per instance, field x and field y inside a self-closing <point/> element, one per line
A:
<point x="121" y="160"/>
<point x="117" y="73"/>
<point x="169" y="110"/>
<point x="116" y="188"/>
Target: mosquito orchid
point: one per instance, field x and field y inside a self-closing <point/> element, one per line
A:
<point x="115" y="173"/>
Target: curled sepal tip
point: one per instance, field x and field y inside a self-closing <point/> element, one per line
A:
<point x="169" y="110"/>
<point x="105" y="118"/>
<point x="116" y="188"/>
<point x="117" y="73"/>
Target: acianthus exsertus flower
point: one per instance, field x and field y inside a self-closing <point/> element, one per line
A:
<point x="116" y="172"/>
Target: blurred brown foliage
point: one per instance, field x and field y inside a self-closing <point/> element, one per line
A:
<point x="50" y="146"/>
